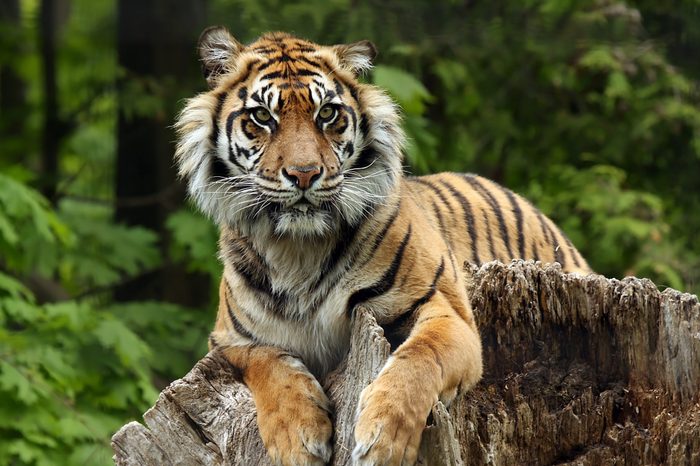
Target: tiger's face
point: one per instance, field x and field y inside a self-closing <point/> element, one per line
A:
<point x="286" y="141"/>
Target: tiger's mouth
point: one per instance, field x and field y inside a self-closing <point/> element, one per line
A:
<point x="301" y="208"/>
<point x="302" y="219"/>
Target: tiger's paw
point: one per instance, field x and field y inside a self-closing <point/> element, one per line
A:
<point x="388" y="428"/>
<point x="296" y="428"/>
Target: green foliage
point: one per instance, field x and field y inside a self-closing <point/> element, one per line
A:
<point x="194" y="242"/>
<point x="69" y="374"/>
<point x="108" y="252"/>
<point x="72" y="372"/>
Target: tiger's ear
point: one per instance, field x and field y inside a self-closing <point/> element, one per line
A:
<point x="217" y="50"/>
<point x="356" y="57"/>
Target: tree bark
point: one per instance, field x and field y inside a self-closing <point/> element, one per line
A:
<point x="578" y="370"/>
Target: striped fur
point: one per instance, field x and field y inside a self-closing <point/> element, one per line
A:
<point x="300" y="166"/>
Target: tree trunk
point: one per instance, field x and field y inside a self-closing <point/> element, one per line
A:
<point x="13" y="107"/>
<point x="156" y="52"/>
<point x="52" y="130"/>
<point x="578" y="370"/>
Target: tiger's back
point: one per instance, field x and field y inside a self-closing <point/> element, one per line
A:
<point x="484" y="221"/>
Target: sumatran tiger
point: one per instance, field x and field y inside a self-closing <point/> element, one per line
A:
<point x="300" y="165"/>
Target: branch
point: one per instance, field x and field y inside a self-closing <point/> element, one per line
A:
<point x="579" y="370"/>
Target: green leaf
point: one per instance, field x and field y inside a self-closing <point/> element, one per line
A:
<point x="13" y="381"/>
<point x="113" y="334"/>
<point x="14" y="288"/>
<point x="600" y="58"/>
<point x="618" y="85"/>
<point x="408" y="91"/>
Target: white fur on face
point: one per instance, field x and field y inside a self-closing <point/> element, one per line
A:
<point x="243" y="199"/>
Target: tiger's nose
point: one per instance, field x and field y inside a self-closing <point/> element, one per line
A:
<point x="303" y="177"/>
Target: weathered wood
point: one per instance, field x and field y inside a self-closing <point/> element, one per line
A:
<point x="578" y="370"/>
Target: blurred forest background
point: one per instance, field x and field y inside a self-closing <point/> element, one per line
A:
<point x="108" y="278"/>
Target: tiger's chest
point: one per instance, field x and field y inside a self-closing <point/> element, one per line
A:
<point x="308" y="314"/>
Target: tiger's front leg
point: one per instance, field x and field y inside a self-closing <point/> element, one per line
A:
<point x="292" y="409"/>
<point x="441" y="356"/>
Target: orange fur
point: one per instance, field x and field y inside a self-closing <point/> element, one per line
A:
<point x="316" y="219"/>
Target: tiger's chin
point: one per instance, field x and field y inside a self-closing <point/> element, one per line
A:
<point x="305" y="221"/>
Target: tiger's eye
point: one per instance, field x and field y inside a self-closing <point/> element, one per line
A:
<point x="327" y="112"/>
<point x="262" y="115"/>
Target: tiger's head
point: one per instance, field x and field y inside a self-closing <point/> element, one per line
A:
<point x="286" y="140"/>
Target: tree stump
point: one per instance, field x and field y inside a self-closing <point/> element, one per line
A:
<point x="578" y="371"/>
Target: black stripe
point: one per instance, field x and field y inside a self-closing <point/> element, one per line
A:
<point x="232" y="156"/>
<point x="443" y="200"/>
<point x="433" y="188"/>
<point x="543" y="226"/>
<point x="364" y="126"/>
<point x="535" y="253"/>
<point x="385" y="283"/>
<point x="272" y="75"/>
<point x="382" y="234"/>
<point x="551" y="238"/>
<point x="305" y="72"/>
<point x="489" y="236"/>
<point x="218" y="168"/>
<point x="338" y="87"/>
<point x="365" y="159"/>
<point x="468" y="218"/>
<point x="353" y="91"/>
<point x="267" y="64"/>
<point x="352" y="113"/>
<point x="308" y="61"/>
<point x="214" y="136"/>
<point x="572" y="249"/>
<point x="378" y="238"/>
<point x="249" y="66"/>
<point x="212" y="341"/>
<point x="339" y="252"/>
<point x="241" y="151"/>
<point x="257" y="281"/>
<point x="441" y="221"/>
<point x="393" y="330"/>
<point x="237" y="325"/>
<point x="341" y="125"/>
<point x="495" y="206"/>
<point x="264" y="50"/>
<point x="256" y="277"/>
<point x="280" y="102"/>
<point x="232" y="116"/>
<point x="243" y="93"/>
<point x="304" y="49"/>
<point x="348" y="150"/>
<point x="257" y="97"/>
<point x="518" y="220"/>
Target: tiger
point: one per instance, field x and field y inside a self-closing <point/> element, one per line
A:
<point x="299" y="163"/>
